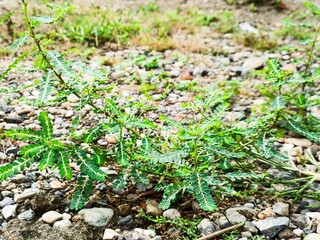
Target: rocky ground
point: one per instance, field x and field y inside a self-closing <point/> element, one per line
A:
<point x="34" y="204"/>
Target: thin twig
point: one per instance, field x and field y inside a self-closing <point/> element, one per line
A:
<point x="217" y="233"/>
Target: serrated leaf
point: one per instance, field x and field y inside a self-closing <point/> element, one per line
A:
<point x="99" y="158"/>
<point x="45" y="87"/>
<point x="60" y="64"/>
<point x="202" y="192"/>
<point x="315" y="137"/>
<point x="141" y="124"/>
<point x="82" y="193"/>
<point x="13" y="64"/>
<point x="87" y="166"/>
<point x="120" y="181"/>
<point x="93" y="134"/>
<point x="122" y="156"/>
<point x="146" y="146"/>
<point x="46" y="125"/>
<point x="278" y="103"/>
<point x="64" y="165"/>
<point x="139" y="177"/>
<point x="170" y="194"/>
<point x="44" y="19"/>
<point x="241" y="176"/>
<point x="10" y="169"/>
<point x="92" y="72"/>
<point x="32" y="150"/>
<point x="225" y="164"/>
<point x="47" y="160"/>
<point x="24" y="134"/>
<point x="5" y="17"/>
<point x="19" y="42"/>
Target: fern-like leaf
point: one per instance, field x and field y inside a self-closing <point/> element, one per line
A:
<point x="315" y="137"/>
<point x="32" y="150"/>
<point x="170" y="194"/>
<point x="93" y="134"/>
<point x="46" y="124"/>
<point x="241" y="176"/>
<point x="120" y="181"/>
<point x="270" y="153"/>
<point x="122" y="156"/>
<point x="82" y="193"/>
<point x="64" y="165"/>
<point x="43" y="19"/>
<point x="141" y="124"/>
<point x="47" y="160"/>
<point x="18" y="165"/>
<point x="139" y="177"/>
<point x="24" y="134"/>
<point x="60" y="64"/>
<point x="13" y="65"/>
<point x="19" y="42"/>
<point x="87" y="166"/>
<point x="278" y="103"/>
<point x="45" y="87"/>
<point x="201" y="190"/>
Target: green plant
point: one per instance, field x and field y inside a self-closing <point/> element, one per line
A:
<point x="200" y="156"/>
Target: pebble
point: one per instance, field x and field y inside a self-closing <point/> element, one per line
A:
<point x="186" y="76"/>
<point x="64" y="223"/>
<point x="298" y="232"/>
<point x="69" y="113"/>
<point x="312" y="236"/>
<point x="98" y="217"/>
<point x="6" y="202"/>
<point x="66" y="216"/>
<point x="28" y="215"/>
<point x="300" y="220"/>
<point x="51" y="217"/>
<point x="303" y="142"/>
<point x="28" y="193"/>
<point x="171" y="214"/>
<point x="207" y="227"/>
<point x="109" y="234"/>
<point x="268" y="212"/>
<point x="281" y="208"/>
<point x="271" y="226"/>
<point x="234" y="216"/>
<point x="12" y="119"/>
<point x="252" y="63"/>
<point x="126" y="222"/>
<point x="9" y="211"/>
<point x="152" y="208"/>
<point x="55" y="184"/>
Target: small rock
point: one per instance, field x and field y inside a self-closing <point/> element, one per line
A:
<point x="64" y="223"/>
<point x="9" y="211"/>
<point x="6" y="202"/>
<point x="281" y="208"/>
<point x="66" y="216"/>
<point x="224" y="222"/>
<point x="286" y="233"/>
<point x="207" y="227"/>
<point x="98" y="217"/>
<point x="289" y="68"/>
<point x="268" y="212"/>
<point x="152" y="208"/>
<point x="28" y="193"/>
<point x="239" y="214"/>
<point x="51" y="217"/>
<point x="303" y="142"/>
<point x="28" y="215"/>
<point x="6" y="194"/>
<point x="147" y="232"/>
<point x="12" y="119"/>
<point x="247" y="27"/>
<point x="55" y="184"/>
<point x="126" y="222"/>
<point x="298" y="232"/>
<point x="124" y="209"/>
<point x="271" y="226"/>
<point x="314" y="215"/>
<point x="69" y="114"/>
<point x="109" y="234"/>
<point x="20" y="178"/>
<point x="300" y="220"/>
<point x="72" y="98"/>
<point x="252" y="64"/>
<point x="3" y="156"/>
<point x="111" y="139"/>
<point x="186" y="76"/>
<point x="312" y="236"/>
<point x="171" y="214"/>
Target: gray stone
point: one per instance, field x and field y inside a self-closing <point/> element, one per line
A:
<point x="64" y="223"/>
<point x="247" y="27"/>
<point x="51" y="217"/>
<point x="109" y="233"/>
<point x="207" y="227"/>
<point x="6" y="194"/>
<point x="9" y="211"/>
<point x="171" y="214"/>
<point x="239" y="214"/>
<point x="28" y="215"/>
<point x="281" y="208"/>
<point x="147" y="232"/>
<point x="298" y="232"/>
<point x="98" y="217"/>
<point x="252" y="63"/>
<point x="224" y="222"/>
<point x="300" y="220"/>
<point x="28" y="193"/>
<point x="12" y="119"/>
<point x="281" y="174"/>
<point x="271" y="226"/>
<point x="6" y="202"/>
<point x="312" y="236"/>
<point x="126" y="222"/>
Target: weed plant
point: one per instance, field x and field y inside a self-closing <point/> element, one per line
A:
<point x="206" y="157"/>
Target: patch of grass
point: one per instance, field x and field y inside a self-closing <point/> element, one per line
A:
<point x="226" y="23"/>
<point x="260" y="42"/>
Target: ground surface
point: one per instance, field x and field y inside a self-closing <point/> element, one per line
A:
<point x="50" y="193"/>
